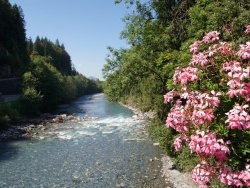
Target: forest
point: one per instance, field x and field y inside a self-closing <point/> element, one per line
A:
<point x="46" y="72"/>
<point x="188" y="62"/>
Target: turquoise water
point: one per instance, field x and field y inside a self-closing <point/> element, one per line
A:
<point x="108" y="149"/>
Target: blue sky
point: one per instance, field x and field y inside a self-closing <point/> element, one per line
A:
<point x="85" y="27"/>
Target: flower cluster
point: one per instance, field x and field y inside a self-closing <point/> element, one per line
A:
<point x="177" y="118"/>
<point x="209" y="145"/>
<point x="194" y="113"/>
<point x="202" y="174"/>
<point x="228" y="177"/>
<point x="236" y="75"/>
<point x="235" y="178"/>
<point x="247" y="31"/>
<point x="224" y="48"/>
<point x="245" y="175"/>
<point x="194" y="48"/>
<point x="169" y="96"/>
<point x="183" y="75"/>
<point x="238" y="118"/>
<point x="199" y="59"/>
<point x="244" y="51"/>
<point x="202" y="106"/>
<point x="198" y="109"/>
<point x="211" y="37"/>
<point x="178" y="143"/>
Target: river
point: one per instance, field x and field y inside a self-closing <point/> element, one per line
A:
<point x="109" y="148"/>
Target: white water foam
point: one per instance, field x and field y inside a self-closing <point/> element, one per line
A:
<point x="65" y="137"/>
<point x="116" y="120"/>
<point x="87" y="133"/>
<point x="127" y="128"/>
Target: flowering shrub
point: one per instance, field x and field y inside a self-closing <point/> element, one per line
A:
<point x="210" y="110"/>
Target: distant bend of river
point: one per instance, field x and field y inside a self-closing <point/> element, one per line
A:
<point x="108" y="149"/>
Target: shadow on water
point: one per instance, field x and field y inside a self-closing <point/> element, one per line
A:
<point x="9" y="150"/>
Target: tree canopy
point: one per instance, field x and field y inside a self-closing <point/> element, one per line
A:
<point x="54" y="52"/>
<point x="159" y="33"/>
<point x="13" y="52"/>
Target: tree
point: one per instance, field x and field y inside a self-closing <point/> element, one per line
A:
<point x="13" y="50"/>
<point x="57" y="53"/>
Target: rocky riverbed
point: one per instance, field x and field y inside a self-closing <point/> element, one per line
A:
<point x="29" y="128"/>
<point x="172" y="175"/>
<point x="161" y="166"/>
<point x="139" y="114"/>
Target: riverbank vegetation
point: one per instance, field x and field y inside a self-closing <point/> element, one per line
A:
<point x="172" y="50"/>
<point x="48" y="77"/>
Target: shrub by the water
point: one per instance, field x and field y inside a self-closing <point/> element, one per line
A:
<point x="210" y="111"/>
<point x="9" y="113"/>
<point x="31" y="102"/>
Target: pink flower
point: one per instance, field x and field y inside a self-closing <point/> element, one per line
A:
<point x="212" y="50"/>
<point x="211" y="37"/>
<point x="194" y="48"/>
<point x="207" y="100"/>
<point x="214" y="100"/>
<point x="236" y="75"/>
<point x="208" y="145"/>
<point x="178" y="143"/>
<point x="235" y="92"/>
<point x="196" y="113"/>
<point x="199" y="59"/>
<point x="184" y="75"/>
<point x="169" y="96"/>
<point x="228" y="177"/>
<point x="199" y="117"/>
<point x="244" y="51"/>
<point x="226" y="67"/>
<point x="238" y="118"/>
<point x="234" y="84"/>
<point x="176" y="118"/>
<point x="247" y="91"/>
<point x="235" y="70"/>
<point x="225" y="48"/>
<point x="202" y="174"/>
<point x="247" y="31"/>
<point x="245" y="175"/>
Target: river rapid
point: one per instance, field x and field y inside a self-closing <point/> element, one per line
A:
<point x="107" y="148"/>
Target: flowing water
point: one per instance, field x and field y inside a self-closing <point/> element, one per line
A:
<point x="109" y="148"/>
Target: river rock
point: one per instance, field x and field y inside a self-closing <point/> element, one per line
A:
<point x="40" y="126"/>
<point x="139" y="114"/>
<point x="32" y="126"/>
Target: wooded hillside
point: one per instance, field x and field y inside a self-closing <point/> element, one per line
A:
<point x="13" y="52"/>
<point x="45" y="75"/>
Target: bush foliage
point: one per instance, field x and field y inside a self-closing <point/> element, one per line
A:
<point x="159" y="33"/>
